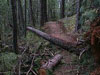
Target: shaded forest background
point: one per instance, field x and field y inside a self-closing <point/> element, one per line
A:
<point x="20" y="49"/>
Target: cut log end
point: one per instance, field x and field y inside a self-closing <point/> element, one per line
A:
<point x="50" y="64"/>
<point x="42" y="72"/>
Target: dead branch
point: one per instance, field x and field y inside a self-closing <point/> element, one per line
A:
<point x="30" y="69"/>
<point x="20" y="62"/>
<point x="83" y="51"/>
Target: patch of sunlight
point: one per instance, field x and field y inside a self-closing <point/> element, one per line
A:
<point x="69" y="23"/>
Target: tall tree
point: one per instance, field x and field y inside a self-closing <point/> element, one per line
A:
<point x="62" y="8"/>
<point x="78" y="25"/>
<point x="14" y="15"/>
<point x="52" y="7"/>
<point x="0" y="37"/>
<point x="43" y="18"/>
<point x="21" y="16"/>
<point x="25" y="15"/>
<point x="31" y="13"/>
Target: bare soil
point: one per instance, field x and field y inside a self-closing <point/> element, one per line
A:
<point x="58" y="30"/>
<point x="70" y="61"/>
<point x="69" y="66"/>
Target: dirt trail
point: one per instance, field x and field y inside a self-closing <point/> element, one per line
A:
<point x="58" y="29"/>
<point x="70" y="67"/>
<point x="63" y="29"/>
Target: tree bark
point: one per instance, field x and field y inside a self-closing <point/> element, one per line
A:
<point x="43" y="18"/>
<point x="14" y="15"/>
<point x="0" y="35"/>
<point x="31" y="13"/>
<point x="0" y="40"/>
<point x="62" y="8"/>
<point x="78" y="25"/>
<point x="59" y="42"/>
<point x="50" y="64"/>
<point x="25" y="16"/>
<point x="21" y="16"/>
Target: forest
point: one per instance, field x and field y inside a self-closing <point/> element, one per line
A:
<point x="49" y="37"/>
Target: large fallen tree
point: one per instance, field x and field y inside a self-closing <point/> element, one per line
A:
<point x="71" y="47"/>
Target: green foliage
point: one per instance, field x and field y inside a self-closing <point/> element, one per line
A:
<point x="82" y="9"/>
<point x="9" y="73"/>
<point x="87" y="62"/>
<point x="50" y="72"/>
<point x="86" y="4"/>
<point x="37" y="63"/>
<point x="96" y="3"/>
<point x="8" y="61"/>
<point x="70" y="8"/>
<point x="89" y="15"/>
<point x="53" y="10"/>
<point x="70" y="22"/>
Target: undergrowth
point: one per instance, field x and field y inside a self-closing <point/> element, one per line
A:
<point x="87" y="63"/>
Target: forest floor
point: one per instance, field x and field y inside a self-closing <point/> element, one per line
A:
<point x="69" y="66"/>
<point x="43" y="51"/>
<point x="71" y="63"/>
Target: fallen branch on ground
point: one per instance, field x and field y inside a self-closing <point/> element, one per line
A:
<point x="30" y="69"/>
<point x="50" y="64"/>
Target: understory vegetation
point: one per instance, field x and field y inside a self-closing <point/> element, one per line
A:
<point x="22" y="52"/>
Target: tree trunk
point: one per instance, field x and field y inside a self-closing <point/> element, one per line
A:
<point x="59" y="42"/>
<point x="43" y="18"/>
<point x="14" y="15"/>
<point x="62" y="8"/>
<point x="25" y="16"/>
<point x="0" y="35"/>
<point x="21" y="17"/>
<point x="78" y="26"/>
<point x="31" y="12"/>
<point x="0" y="40"/>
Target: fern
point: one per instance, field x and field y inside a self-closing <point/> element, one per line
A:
<point x="88" y="15"/>
<point x="7" y="61"/>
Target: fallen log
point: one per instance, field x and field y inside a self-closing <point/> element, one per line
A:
<point x="71" y="47"/>
<point x="50" y="64"/>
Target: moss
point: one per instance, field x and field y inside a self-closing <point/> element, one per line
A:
<point x="7" y="61"/>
